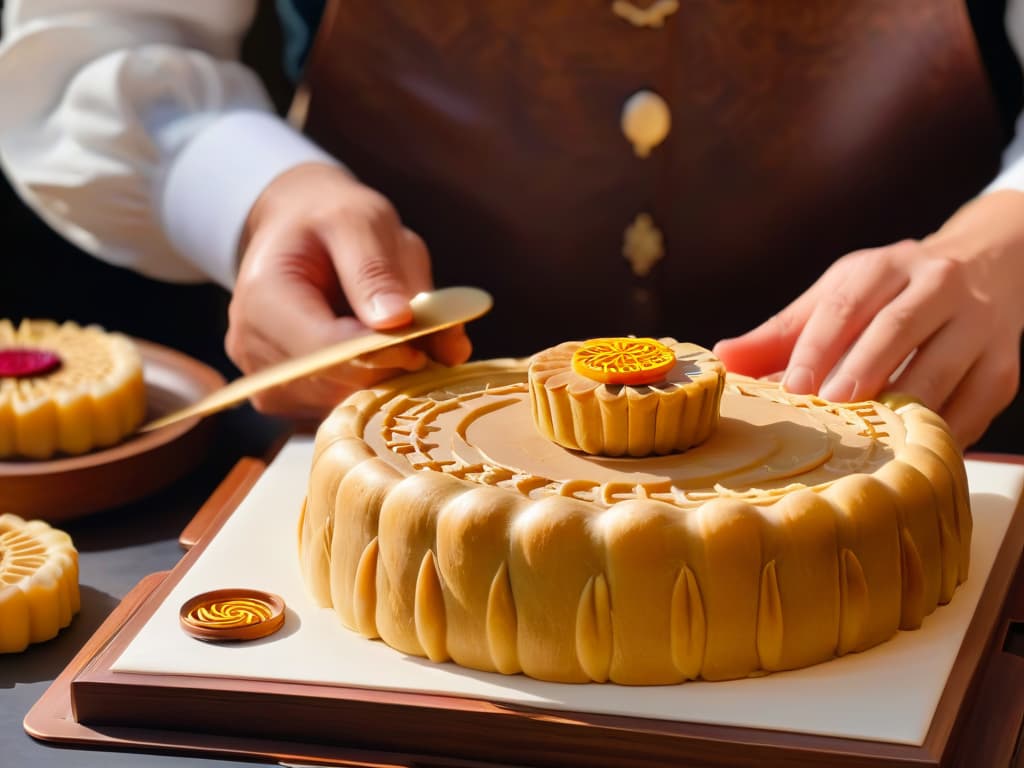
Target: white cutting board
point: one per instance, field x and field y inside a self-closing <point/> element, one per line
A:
<point x="888" y="693"/>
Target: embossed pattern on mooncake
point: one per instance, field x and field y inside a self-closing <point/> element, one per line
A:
<point x="38" y="582"/>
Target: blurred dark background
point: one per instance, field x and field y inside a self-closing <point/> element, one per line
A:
<point x="41" y="275"/>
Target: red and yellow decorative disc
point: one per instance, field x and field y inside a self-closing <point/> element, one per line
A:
<point x="623" y="360"/>
<point x="232" y="614"/>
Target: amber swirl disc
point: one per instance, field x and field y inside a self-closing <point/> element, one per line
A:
<point x="232" y="614"/>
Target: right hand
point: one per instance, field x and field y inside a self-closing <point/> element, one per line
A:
<point x="325" y="258"/>
<point x="938" y="319"/>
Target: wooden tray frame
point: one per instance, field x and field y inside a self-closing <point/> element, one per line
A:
<point x="977" y="721"/>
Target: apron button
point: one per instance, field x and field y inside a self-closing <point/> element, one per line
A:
<point x="643" y="245"/>
<point x="653" y="15"/>
<point x="646" y="121"/>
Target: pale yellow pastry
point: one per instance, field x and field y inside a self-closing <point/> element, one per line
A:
<point x="91" y="397"/>
<point x="440" y="520"/>
<point x="38" y="582"/>
<point x="581" y="399"/>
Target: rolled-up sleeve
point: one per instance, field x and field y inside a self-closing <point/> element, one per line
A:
<point x="133" y="130"/>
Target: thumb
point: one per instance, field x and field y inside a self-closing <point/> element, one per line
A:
<point x="367" y="260"/>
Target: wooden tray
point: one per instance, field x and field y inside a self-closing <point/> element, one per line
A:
<point x="976" y="723"/>
<point x="66" y="488"/>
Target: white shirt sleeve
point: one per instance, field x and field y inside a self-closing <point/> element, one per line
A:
<point x="131" y="128"/>
<point x="1012" y="174"/>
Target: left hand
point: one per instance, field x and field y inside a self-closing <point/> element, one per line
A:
<point x="954" y="300"/>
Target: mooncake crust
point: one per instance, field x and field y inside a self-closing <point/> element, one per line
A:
<point x="430" y="525"/>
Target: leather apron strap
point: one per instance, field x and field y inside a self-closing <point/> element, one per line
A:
<point x="799" y="130"/>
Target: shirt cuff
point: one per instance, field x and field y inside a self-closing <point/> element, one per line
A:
<point x="1011" y="177"/>
<point x="216" y="178"/>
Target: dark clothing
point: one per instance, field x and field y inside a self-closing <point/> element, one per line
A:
<point x="801" y="130"/>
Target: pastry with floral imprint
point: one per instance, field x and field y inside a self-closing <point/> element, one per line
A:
<point x="626" y="396"/>
<point x="66" y="389"/>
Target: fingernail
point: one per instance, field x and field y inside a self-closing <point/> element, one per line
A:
<point x="799" y="380"/>
<point x="841" y="389"/>
<point x="389" y="308"/>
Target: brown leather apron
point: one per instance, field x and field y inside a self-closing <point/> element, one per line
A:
<point x="800" y="130"/>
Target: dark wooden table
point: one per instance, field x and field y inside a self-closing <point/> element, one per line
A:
<point x="121" y="547"/>
<point x="117" y="549"/>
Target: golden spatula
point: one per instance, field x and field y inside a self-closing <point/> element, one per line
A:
<point x="432" y="311"/>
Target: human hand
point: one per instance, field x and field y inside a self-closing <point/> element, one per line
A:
<point x="325" y="257"/>
<point x="953" y="300"/>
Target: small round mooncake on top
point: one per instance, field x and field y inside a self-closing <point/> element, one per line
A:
<point x="626" y="396"/>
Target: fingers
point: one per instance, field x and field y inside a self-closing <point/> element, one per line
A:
<point x="314" y="396"/>
<point x="766" y="349"/>
<point x="372" y="257"/>
<point x="401" y="357"/>
<point x="380" y="270"/>
<point x="450" y="346"/>
<point x="280" y="306"/>
<point x="325" y="258"/>
<point x="939" y="365"/>
<point x="989" y="386"/>
<point x="410" y="261"/>
<point x="860" y="287"/>
<point x="414" y="261"/>
<point x="917" y="314"/>
<point x="807" y="337"/>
